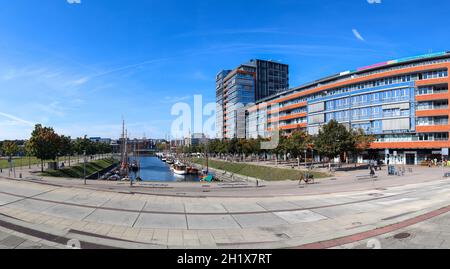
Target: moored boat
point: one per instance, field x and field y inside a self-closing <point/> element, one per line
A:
<point x="192" y="171"/>
<point x="179" y="169"/>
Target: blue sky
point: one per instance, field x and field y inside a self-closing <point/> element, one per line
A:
<point x="81" y="67"/>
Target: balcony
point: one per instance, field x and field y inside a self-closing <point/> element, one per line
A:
<point x="433" y="128"/>
<point x="433" y="96"/>
<point x="435" y="111"/>
<point x="289" y="107"/>
<point x="411" y="145"/>
<point x="432" y="81"/>
<point x="293" y="126"/>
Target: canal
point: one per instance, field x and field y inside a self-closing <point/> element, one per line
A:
<point x="155" y="170"/>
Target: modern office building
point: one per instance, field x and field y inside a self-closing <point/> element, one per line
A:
<point x="247" y="84"/>
<point x="404" y="103"/>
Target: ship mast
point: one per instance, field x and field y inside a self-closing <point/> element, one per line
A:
<point x="122" y="151"/>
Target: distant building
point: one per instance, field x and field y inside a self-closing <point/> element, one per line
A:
<point x="100" y="140"/>
<point x="195" y="140"/>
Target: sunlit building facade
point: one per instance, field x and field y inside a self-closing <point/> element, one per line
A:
<point x="403" y="103"/>
<point x="237" y="89"/>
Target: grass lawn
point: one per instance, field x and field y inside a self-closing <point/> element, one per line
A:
<point x="261" y="172"/>
<point x="25" y="161"/>
<point x="77" y="171"/>
<point x="19" y="162"/>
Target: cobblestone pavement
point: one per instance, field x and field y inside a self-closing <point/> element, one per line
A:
<point x="104" y="215"/>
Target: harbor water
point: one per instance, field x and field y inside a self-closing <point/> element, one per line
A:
<point x="155" y="170"/>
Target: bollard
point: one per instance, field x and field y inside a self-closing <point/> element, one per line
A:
<point x="20" y="175"/>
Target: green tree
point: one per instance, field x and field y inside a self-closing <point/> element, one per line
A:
<point x="28" y="149"/>
<point x="10" y="148"/>
<point x="361" y="142"/>
<point x="333" y="140"/>
<point x="66" y="147"/>
<point x="44" y="143"/>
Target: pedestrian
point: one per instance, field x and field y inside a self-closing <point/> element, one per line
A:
<point x="372" y="172"/>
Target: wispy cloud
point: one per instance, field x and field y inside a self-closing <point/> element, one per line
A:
<point x="231" y="32"/>
<point x="16" y="120"/>
<point x="358" y="35"/>
<point x="121" y="69"/>
<point x="286" y="49"/>
<point x="54" y="108"/>
<point x="175" y="99"/>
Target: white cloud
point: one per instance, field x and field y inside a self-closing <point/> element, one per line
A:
<point x="16" y="120"/>
<point x="357" y="35"/>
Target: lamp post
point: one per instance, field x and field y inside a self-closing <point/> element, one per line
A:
<point x="306" y="152"/>
<point x="84" y="166"/>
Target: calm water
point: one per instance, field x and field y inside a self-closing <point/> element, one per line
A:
<point x="153" y="169"/>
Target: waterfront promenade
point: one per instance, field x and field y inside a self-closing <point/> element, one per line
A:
<point x="340" y="212"/>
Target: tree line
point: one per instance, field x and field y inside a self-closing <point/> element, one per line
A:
<point x="334" y="140"/>
<point x="46" y="144"/>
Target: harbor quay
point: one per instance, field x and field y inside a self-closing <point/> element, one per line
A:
<point x="355" y="160"/>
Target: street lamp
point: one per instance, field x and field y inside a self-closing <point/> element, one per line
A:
<point x="306" y="152"/>
<point x="84" y="166"/>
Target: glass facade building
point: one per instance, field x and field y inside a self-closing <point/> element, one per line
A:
<point x="239" y="88"/>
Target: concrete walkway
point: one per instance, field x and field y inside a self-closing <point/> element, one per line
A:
<point x="280" y="215"/>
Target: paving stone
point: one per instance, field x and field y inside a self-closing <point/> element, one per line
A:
<point x="125" y="204"/>
<point x="12" y="241"/>
<point x="278" y="205"/>
<point x="167" y="207"/>
<point x="29" y="245"/>
<point x="206" y="222"/>
<point x="69" y="212"/>
<point x="6" y="199"/>
<point x="259" y="220"/>
<point x="312" y="203"/>
<point x="3" y="235"/>
<point x="302" y="216"/>
<point x="243" y="207"/>
<point x="160" y="236"/>
<point x="160" y="221"/>
<point x="56" y="196"/>
<point x="204" y="208"/>
<point x="88" y="199"/>
<point x="113" y="217"/>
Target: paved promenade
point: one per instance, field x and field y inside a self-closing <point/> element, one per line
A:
<point x="337" y="212"/>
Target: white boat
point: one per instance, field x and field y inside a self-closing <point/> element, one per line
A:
<point x="179" y="169"/>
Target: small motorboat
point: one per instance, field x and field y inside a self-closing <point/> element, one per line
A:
<point x="180" y="169"/>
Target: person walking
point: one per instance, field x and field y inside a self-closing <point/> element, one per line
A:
<point x="372" y="169"/>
